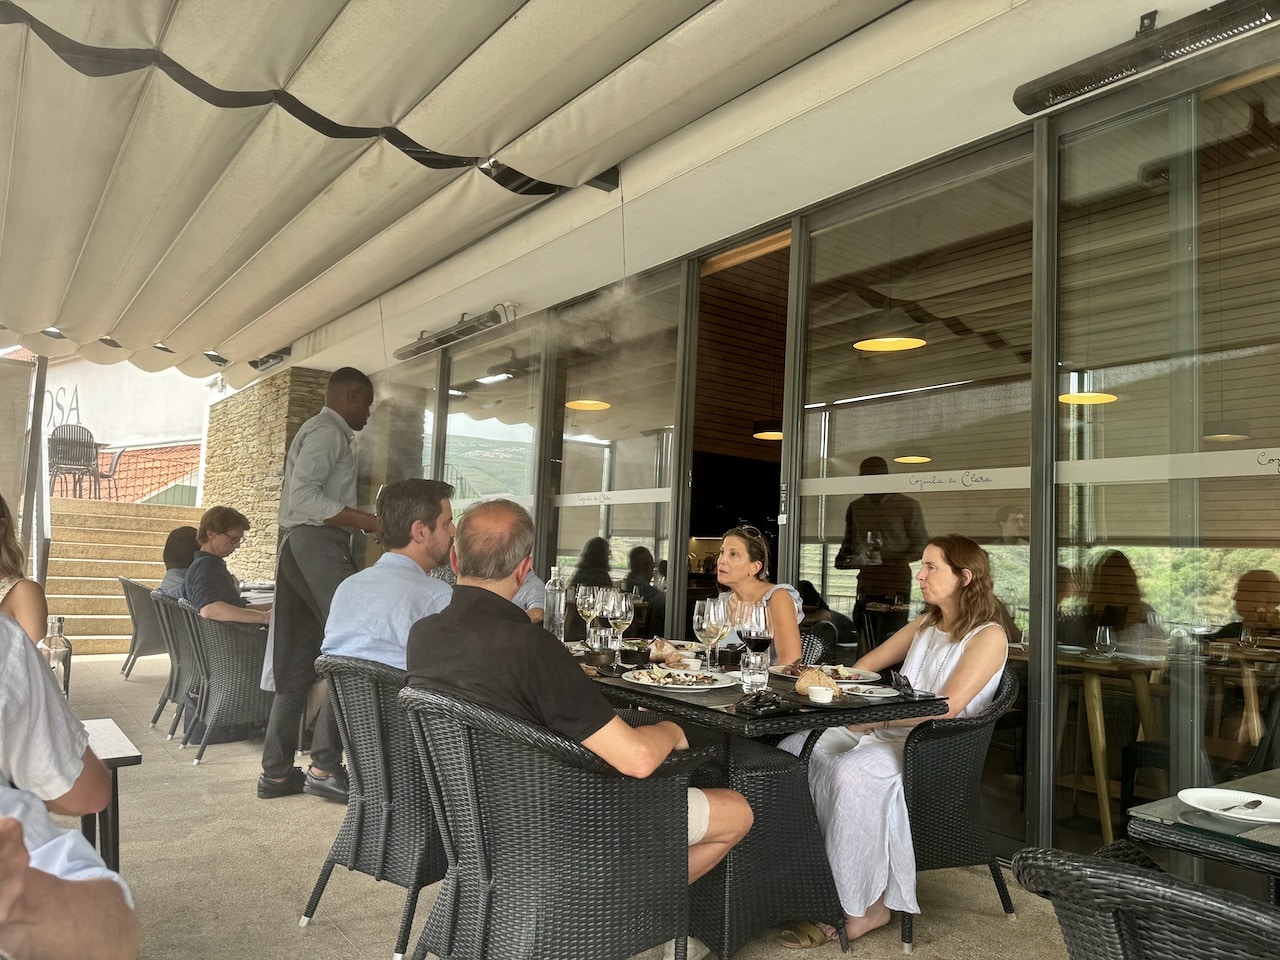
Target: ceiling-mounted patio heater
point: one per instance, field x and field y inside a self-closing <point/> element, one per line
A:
<point x="1150" y="47"/>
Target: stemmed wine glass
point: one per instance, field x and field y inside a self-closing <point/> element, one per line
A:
<point x="1104" y="642"/>
<point x="1247" y="639"/>
<point x="710" y="623"/>
<point x="618" y="610"/>
<point x="757" y="633"/>
<point x="588" y="602"/>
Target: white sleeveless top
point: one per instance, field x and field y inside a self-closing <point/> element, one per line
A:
<point x="7" y="584"/>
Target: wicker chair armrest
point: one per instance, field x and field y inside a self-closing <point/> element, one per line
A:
<point x="377" y="672"/>
<point x="684" y="762"/>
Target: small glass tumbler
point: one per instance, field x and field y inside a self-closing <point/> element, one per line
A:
<point x="755" y="671"/>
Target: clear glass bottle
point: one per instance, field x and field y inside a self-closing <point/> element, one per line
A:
<point x="553" y="612"/>
<point x="57" y="652"/>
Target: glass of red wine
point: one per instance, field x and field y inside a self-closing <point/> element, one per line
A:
<point x="757" y="634"/>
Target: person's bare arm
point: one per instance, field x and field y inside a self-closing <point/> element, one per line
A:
<point x="46" y="917"/>
<point x="89" y="794"/>
<point x="982" y="658"/>
<point x="230" y="613"/>
<point x="893" y="651"/>
<point x="536" y="614"/>
<point x="635" y="751"/>
<point x="351" y="517"/>
<point x="26" y="603"/>
<point x="786" y="631"/>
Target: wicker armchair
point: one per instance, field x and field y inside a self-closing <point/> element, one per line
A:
<point x="942" y="783"/>
<point x="389" y="832"/>
<point x="148" y="637"/>
<point x="553" y="855"/>
<point x="186" y="676"/>
<point x="779" y="871"/>
<point x="230" y="657"/>
<point x="1111" y="909"/>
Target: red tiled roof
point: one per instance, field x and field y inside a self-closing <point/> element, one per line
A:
<point x="22" y="353"/>
<point x="144" y="472"/>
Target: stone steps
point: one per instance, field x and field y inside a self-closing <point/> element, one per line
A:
<point x="67" y="533"/>
<point x="88" y="550"/>
<point x="94" y="542"/>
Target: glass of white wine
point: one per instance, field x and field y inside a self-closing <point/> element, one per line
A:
<point x="710" y="624"/>
<point x="618" y="610"/>
<point x="588" y="600"/>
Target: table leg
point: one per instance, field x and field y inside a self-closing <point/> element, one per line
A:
<point x="1141" y="682"/>
<point x="109" y="822"/>
<point x="1252" y="716"/>
<point x="1092" y="683"/>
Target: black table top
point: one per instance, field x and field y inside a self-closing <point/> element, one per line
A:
<point x="717" y="708"/>
<point x="1172" y="823"/>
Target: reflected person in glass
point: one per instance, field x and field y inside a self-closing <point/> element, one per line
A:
<point x="593" y="566"/>
<point x="742" y="566"/>
<point x="1256" y="598"/>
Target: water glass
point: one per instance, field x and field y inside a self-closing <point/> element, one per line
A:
<point x="1104" y="642"/>
<point x="1248" y="639"/>
<point x="755" y="671"/>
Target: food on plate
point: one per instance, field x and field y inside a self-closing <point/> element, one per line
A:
<point x="811" y="677"/>
<point x="834" y="671"/>
<point x="665" y="678"/>
<point x="665" y="652"/>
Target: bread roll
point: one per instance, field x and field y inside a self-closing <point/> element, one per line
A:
<point x="814" y="677"/>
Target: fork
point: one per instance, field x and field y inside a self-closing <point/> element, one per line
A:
<point x="1247" y="805"/>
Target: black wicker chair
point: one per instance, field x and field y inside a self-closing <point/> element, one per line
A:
<point x="1111" y="909"/>
<point x="186" y="675"/>
<point x="553" y="855"/>
<point x="779" y="871"/>
<point x="230" y="657"/>
<point x="812" y="648"/>
<point x="389" y="832"/>
<point x="148" y="637"/>
<point x="942" y="783"/>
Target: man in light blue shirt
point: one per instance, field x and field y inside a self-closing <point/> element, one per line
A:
<point x="373" y="610"/>
<point x="532" y="597"/>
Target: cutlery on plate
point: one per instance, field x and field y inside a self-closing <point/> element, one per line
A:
<point x="1247" y="805"/>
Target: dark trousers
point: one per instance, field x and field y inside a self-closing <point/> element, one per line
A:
<point x="313" y="561"/>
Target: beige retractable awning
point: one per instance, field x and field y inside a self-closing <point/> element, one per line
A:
<point x="187" y="182"/>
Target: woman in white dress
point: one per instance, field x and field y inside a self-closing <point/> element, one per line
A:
<point x="957" y="648"/>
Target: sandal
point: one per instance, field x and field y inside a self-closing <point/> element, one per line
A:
<point x="801" y="935"/>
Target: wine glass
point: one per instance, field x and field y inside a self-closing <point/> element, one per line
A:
<point x="757" y="633"/>
<point x="1104" y="642"/>
<point x="588" y="603"/>
<point x="618" y="610"/>
<point x="1247" y="639"/>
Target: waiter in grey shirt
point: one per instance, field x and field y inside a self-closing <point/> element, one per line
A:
<point x="317" y="516"/>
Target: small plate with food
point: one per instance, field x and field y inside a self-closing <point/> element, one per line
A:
<point x="683" y="680"/>
<point x="840" y="674"/>
<point x="812" y="677"/>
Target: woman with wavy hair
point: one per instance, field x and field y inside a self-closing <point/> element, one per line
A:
<point x="955" y="648"/>
<point x="20" y="598"/>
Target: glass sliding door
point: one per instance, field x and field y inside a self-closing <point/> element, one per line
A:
<point x="940" y="431"/>
<point x="614" y="416"/>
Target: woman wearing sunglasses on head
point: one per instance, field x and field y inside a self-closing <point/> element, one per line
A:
<point x="743" y="567"/>
<point x="955" y="648"/>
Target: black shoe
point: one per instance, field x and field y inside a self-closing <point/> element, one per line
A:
<point x="332" y="787"/>
<point x="270" y="789"/>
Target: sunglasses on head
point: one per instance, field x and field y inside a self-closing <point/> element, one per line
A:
<point x="751" y="531"/>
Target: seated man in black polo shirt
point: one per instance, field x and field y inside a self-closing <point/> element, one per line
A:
<point x="528" y="672"/>
<point x="209" y="585"/>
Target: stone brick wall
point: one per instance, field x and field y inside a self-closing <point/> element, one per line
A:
<point x="249" y="434"/>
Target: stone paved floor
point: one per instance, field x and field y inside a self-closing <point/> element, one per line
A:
<point x="218" y="873"/>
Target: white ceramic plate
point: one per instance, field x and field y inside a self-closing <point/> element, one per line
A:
<point x="1217" y="799"/>
<point x="644" y="678"/>
<point x="852" y="676"/>
<point x="1068" y="648"/>
<point x="872" y="692"/>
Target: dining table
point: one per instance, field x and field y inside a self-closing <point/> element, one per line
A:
<point x="1177" y="825"/>
<point x="781" y="872"/>
<point x="1092" y="670"/>
<point x="721" y="709"/>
